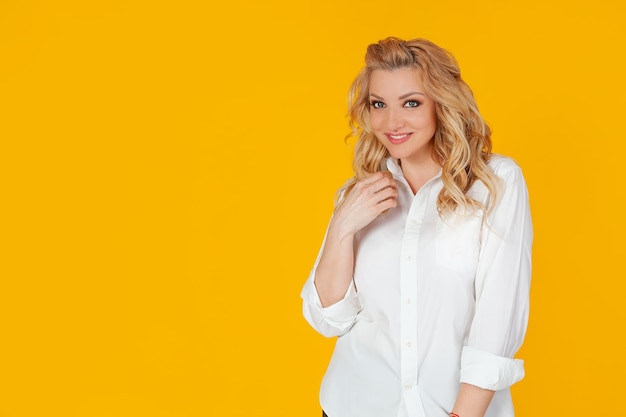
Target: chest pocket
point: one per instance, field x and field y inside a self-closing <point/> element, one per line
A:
<point x="457" y="244"/>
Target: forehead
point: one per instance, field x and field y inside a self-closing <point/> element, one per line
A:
<point x="399" y="81"/>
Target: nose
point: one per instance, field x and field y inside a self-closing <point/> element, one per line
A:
<point x="395" y="119"/>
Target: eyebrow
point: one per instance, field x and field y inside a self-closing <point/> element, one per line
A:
<point x="401" y="97"/>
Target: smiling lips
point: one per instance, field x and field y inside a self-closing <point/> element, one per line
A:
<point x="398" y="138"/>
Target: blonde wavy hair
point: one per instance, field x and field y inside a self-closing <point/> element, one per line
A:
<point x="462" y="140"/>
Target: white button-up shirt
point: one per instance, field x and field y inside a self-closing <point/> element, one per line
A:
<point x="434" y="302"/>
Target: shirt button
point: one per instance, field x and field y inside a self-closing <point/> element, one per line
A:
<point x="408" y="301"/>
<point x="408" y="387"/>
<point x="408" y="344"/>
<point x="408" y="258"/>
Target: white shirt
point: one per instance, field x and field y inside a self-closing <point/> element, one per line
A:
<point x="434" y="302"/>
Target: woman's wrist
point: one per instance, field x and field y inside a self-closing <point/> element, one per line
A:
<point x="339" y="232"/>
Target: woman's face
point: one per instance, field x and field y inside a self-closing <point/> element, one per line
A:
<point x="402" y="117"/>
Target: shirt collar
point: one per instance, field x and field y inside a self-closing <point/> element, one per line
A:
<point x="394" y="167"/>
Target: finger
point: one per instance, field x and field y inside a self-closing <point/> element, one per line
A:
<point x="386" y="204"/>
<point x="385" y="194"/>
<point x="371" y="194"/>
<point x="371" y="179"/>
<point x="385" y="182"/>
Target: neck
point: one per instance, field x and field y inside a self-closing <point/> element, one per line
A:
<point x="417" y="173"/>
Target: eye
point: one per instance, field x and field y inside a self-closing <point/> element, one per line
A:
<point x="412" y="103"/>
<point x="377" y="104"/>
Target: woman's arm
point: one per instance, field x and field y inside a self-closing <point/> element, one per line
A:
<point x="366" y="201"/>
<point x="472" y="401"/>
<point x="502" y="286"/>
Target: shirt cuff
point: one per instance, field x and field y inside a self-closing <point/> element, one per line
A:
<point x="488" y="371"/>
<point x="333" y="320"/>
<point x="340" y="312"/>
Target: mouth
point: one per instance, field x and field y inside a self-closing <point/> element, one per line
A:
<point x="398" y="138"/>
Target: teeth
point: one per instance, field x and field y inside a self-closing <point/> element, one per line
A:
<point x="399" y="136"/>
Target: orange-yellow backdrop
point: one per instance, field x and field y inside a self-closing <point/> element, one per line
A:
<point x="167" y="170"/>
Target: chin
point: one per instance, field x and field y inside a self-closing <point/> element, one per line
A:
<point x="397" y="155"/>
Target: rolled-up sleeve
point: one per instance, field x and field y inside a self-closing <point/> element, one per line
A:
<point x="502" y="288"/>
<point x="333" y="320"/>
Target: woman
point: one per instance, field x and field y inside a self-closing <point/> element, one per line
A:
<point x="424" y="272"/>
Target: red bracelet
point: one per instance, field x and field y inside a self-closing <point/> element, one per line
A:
<point x="454" y="414"/>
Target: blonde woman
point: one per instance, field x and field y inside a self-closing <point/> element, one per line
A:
<point x="424" y="272"/>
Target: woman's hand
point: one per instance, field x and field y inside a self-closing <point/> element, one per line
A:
<point x="368" y="199"/>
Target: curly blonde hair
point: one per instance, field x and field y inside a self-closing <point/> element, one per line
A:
<point x="462" y="140"/>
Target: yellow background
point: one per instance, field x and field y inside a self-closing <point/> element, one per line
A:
<point x="167" y="170"/>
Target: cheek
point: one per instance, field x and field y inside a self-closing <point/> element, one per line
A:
<point x="426" y="122"/>
<point x="433" y="120"/>
<point x="432" y="124"/>
<point x="375" y="121"/>
<point x="377" y="129"/>
<point x="375" y="125"/>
